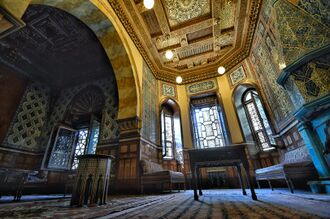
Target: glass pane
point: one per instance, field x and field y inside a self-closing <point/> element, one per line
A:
<point x="259" y="121"/>
<point x="162" y="118"/>
<point x="248" y="96"/>
<point x="264" y="120"/>
<point x="168" y="128"/>
<point x="169" y="151"/>
<point x="178" y="140"/>
<point x="62" y="150"/>
<point x="80" y="147"/>
<point x="254" y="117"/>
<point x="94" y="137"/>
<point x="208" y="128"/>
<point x="167" y="134"/>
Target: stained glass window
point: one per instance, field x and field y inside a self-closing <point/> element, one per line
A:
<point x="258" y="120"/>
<point x="208" y="122"/>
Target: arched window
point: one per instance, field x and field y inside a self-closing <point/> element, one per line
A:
<point x="80" y="132"/>
<point x="208" y="123"/>
<point x="171" y="138"/>
<point x="258" y="121"/>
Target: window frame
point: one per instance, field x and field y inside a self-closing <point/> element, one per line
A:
<point x="53" y="139"/>
<point x="221" y="115"/>
<point x="163" y="140"/>
<point x="245" y="102"/>
<point x="51" y="147"/>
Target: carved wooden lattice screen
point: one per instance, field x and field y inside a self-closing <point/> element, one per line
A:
<point x="63" y="149"/>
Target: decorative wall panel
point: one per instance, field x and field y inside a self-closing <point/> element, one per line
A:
<point x="8" y="23"/>
<point x="30" y="117"/>
<point x="300" y="33"/>
<point x="294" y="93"/>
<point x="150" y="108"/>
<point x="319" y="9"/>
<point x="297" y="155"/>
<point x="278" y="98"/>
<point x="168" y="90"/>
<point x="310" y="81"/>
<point x="237" y="75"/>
<point x="201" y="86"/>
<point x="266" y="55"/>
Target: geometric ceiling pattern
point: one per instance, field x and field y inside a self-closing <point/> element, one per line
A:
<point x="202" y="34"/>
<point x="55" y="48"/>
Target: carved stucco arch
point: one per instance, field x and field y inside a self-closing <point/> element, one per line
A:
<point x="124" y="67"/>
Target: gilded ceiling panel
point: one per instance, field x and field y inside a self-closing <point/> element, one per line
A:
<point x="180" y="11"/>
<point x="202" y="34"/>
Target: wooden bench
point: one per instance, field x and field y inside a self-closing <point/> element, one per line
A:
<point x="154" y="174"/>
<point x="295" y="164"/>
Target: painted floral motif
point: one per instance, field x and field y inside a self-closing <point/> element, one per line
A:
<point x="168" y="90"/>
<point x="237" y="75"/>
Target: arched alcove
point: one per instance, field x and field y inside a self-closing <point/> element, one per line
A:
<point x="114" y="47"/>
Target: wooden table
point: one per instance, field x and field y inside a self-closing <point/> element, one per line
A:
<point x="232" y="155"/>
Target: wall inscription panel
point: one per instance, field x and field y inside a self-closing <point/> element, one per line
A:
<point x="201" y="86"/>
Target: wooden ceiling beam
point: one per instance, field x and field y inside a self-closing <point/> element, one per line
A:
<point x="161" y="17"/>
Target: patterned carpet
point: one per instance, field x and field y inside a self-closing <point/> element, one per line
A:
<point x="213" y="204"/>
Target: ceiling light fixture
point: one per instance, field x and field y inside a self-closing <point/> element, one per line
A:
<point x="169" y="54"/>
<point x="149" y="4"/>
<point x="178" y="79"/>
<point x="221" y="70"/>
<point x="282" y="65"/>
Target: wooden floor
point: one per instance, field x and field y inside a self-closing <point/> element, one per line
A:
<point x="213" y="204"/>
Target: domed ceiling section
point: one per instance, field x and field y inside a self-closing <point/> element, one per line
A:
<point x="203" y="34"/>
<point x="55" y="48"/>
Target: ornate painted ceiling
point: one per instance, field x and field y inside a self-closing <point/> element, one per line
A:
<point x="203" y="34"/>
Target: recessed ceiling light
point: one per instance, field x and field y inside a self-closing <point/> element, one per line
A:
<point x="169" y="54"/>
<point x="149" y="4"/>
<point x="221" y="70"/>
<point x="178" y="79"/>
